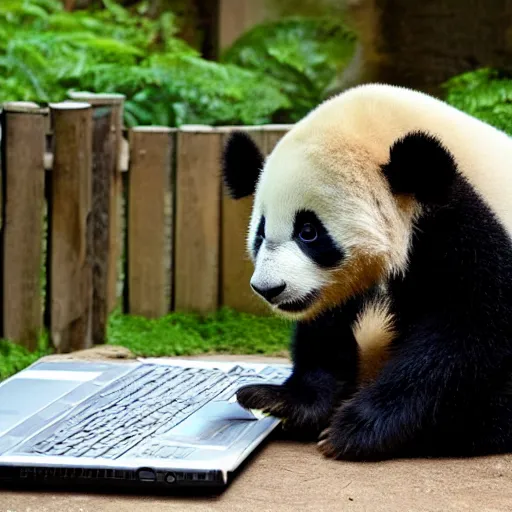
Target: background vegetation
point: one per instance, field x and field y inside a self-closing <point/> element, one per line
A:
<point x="176" y="334"/>
<point x="485" y="94"/>
<point x="277" y="71"/>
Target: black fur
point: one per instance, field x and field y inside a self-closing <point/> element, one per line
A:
<point x="301" y="304"/>
<point x="324" y="352"/>
<point x="421" y="166"/>
<point x="242" y="162"/>
<point x="260" y="236"/>
<point x="446" y="390"/>
<point x="323" y="251"/>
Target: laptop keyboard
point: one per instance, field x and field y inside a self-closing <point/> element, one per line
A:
<point x="149" y="401"/>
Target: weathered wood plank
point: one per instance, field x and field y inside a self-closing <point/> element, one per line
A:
<point x="103" y="157"/>
<point x="197" y="234"/>
<point x="21" y="241"/>
<point x="116" y="102"/>
<point x="148" y="211"/>
<point x="70" y="226"/>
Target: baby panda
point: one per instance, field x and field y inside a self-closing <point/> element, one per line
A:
<point x="381" y="226"/>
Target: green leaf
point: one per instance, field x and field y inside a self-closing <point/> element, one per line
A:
<point x="302" y="55"/>
<point x="485" y="94"/>
<point x="276" y="71"/>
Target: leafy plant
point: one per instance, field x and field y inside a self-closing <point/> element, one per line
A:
<point x="276" y="72"/>
<point x="302" y="55"/>
<point x="485" y="94"/>
<point x="14" y="358"/>
<point x="45" y="51"/>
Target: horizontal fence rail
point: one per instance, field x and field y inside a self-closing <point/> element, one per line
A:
<point x="95" y="217"/>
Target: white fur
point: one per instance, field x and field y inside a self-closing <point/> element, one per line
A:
<point x="285" y="263"/>
<point x="374" y="330"/>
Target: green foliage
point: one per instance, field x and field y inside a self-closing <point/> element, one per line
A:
<point x="45" y="51"/>
<point x="302" y="55"/>
<point x="276" y="72"/>
<point x="178" y="334"/>
<point x="14" y="358"/>
<point x="485" y="94"/>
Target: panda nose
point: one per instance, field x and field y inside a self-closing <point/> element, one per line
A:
<point x="269" y="293"/>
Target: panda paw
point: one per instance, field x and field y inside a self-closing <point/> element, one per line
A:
<point x="303" y="419"/>
<point x="354" y="434"/>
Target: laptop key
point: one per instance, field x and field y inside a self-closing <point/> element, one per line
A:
<point x="153" y="399"/>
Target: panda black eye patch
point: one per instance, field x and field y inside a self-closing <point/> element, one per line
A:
<point x="315" y="241"/>
<point x="260" y="236"/>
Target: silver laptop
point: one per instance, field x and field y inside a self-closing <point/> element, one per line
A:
<point x="156" y="424"/>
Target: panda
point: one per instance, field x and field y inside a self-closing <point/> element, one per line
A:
<point x="381" y="226"/>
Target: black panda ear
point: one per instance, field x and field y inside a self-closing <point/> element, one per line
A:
<point x="242" y="162"/>
<point x="420" y="165"/>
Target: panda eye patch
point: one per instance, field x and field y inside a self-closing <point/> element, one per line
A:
<point x="261" y="228"/>
<point x="308" y="233"/>
<point x="260" y="235"/>
<point x="315" y="241"/>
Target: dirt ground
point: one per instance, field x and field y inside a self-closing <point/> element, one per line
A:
<point x="286" y="476"/>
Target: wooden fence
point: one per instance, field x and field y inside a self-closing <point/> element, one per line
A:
<point x="94" y="217"/>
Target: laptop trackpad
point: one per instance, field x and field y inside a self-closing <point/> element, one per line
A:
<point x="220" y="422"/>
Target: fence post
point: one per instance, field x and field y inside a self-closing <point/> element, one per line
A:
<point x="70" y="227"/>
<point x="149" y="220"/>
<point x="115" y="224"/>
<point x="23" y="147"/>
<point x="103" y="158"/>
<point x="236" y="267"/>
<point x="197" y="233"/>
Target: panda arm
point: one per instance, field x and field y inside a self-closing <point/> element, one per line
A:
<point x="325" y="356"/>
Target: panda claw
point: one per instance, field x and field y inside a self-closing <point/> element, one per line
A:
<point x="326" y="449"/>
<point x="324" y="434"/>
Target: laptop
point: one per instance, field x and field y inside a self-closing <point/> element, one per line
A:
<point x="152" y="423"/>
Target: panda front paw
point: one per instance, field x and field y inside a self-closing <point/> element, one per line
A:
<point x="299" y="418"/>
<point x="268" y="398"/>
<point x="356" y="434"/>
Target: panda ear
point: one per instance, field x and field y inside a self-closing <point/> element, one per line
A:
<point x="242" y="162"/>
<point x="420" y="165"/>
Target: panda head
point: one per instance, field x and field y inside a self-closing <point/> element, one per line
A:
<point x="332" y="215"/>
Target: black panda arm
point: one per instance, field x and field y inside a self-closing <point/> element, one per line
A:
<point x="385" y="418"/>
<point x="438" y="396"/>
<point x="325" y="357"/>
<point x="325" y="366"/>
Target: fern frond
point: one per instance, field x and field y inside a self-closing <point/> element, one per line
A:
<point x="303" y="55"/>
<point x="485" y="94"/>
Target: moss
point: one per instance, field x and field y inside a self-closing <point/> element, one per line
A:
<point x="226" y="331"/>
<point x="14" y="358"/>
<point x="176" y="334"/>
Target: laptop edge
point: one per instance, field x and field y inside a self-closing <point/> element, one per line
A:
<point x="75" y="383"/>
